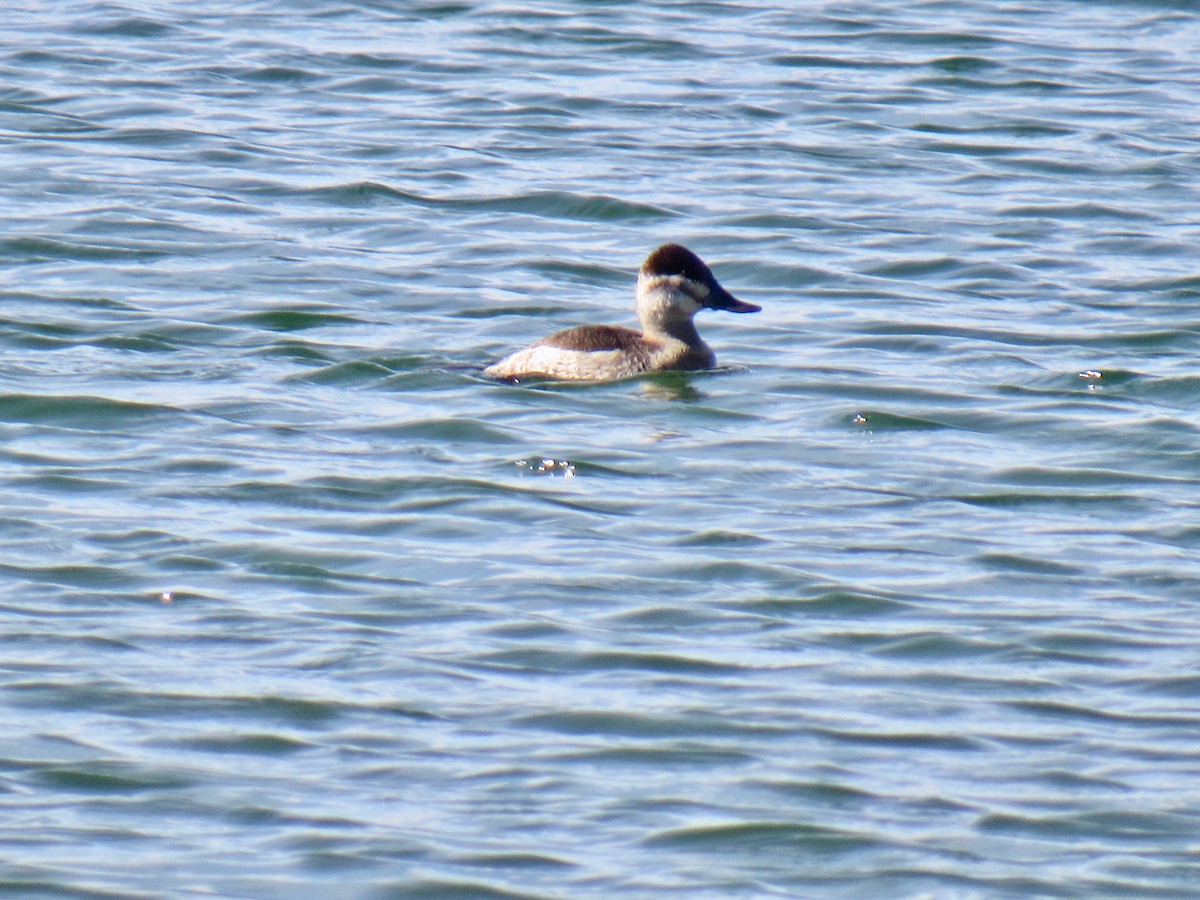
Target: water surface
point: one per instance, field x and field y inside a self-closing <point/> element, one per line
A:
<point x="899" y="601"/>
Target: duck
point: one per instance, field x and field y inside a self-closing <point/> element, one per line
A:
<point x="673" y="285"/>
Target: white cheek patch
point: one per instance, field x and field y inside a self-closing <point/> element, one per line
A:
<point x="686" y="295"/>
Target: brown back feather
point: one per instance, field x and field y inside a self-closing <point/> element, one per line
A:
<point x="593" y="338"/>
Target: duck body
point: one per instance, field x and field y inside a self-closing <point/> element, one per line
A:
<point x="673" y="285"/>
<point x="601" y="353"/>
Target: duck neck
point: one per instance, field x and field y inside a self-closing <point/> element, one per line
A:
<point x="680" y="329"/>
<point x="667" y="311"/>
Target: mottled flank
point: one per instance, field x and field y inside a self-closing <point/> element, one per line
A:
<point x="673" y="285"/>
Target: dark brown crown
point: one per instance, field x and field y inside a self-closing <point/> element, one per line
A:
<point x="674" y="259"/>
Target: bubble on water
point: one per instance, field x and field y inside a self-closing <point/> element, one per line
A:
<point x="547" y="465"/>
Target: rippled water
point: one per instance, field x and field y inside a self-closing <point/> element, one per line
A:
<point x="901" y="601"/>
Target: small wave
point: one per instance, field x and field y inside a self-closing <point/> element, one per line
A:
<point x="296" y="319"/>
<point x="110" y="778"/>
<point x="276" y="75"/>
<point x="550" y="660"/>
<point x="552" y="204"/>
<point x="128" y="26"/>
<point x="1080" y="211"/>
<point x="741" y="836"/>
<point x="615" y="723"/>
<point x="40" y="249"/>
<point x="79" y="411"/>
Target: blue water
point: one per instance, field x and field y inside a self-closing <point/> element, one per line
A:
<point x="901" y="601"/>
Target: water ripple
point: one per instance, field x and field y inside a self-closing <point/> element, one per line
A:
<point x="897" y="601"/>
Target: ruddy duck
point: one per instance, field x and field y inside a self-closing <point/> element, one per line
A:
<point x="673" y="285"/>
